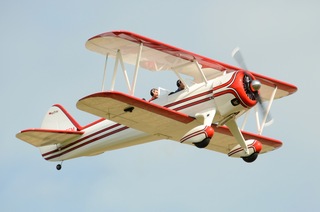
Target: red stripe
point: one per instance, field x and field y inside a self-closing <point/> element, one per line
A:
<point x="187" y="99"/>
<point x="199" y="132"/>
<point x="73" y="121"/>
<point x="233" y="77"/>
<point x="86" y="143"/>
<point x="235" y="151"/>
<point x="113" y="126"/>
<point x="192" y="104"/>
<point x="240" y="149"/>
<point x="78" y="141"/>
<point x="81" y="139"/>
<point x="234" y="93"/>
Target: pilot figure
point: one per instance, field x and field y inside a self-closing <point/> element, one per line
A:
<point x="154" y="94"/>
<point x="180" y="86"/>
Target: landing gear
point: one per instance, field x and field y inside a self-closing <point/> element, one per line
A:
<point x="59" y="166"/>
<point x="203" y="144"/>
<point x="251" y="158"/>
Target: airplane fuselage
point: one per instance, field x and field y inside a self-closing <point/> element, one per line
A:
<point x="224" y="93"/>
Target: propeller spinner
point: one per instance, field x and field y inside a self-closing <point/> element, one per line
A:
<point x="255" y="85"/>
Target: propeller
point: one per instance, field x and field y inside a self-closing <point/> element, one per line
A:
<point x="236" y="54"/>
<point x="252" y="86"/>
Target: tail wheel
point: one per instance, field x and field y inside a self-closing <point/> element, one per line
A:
<point x="59" y="166"/>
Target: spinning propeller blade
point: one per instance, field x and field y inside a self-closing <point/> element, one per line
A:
<point x="254" y="84"/>
<point x="236" y="54"/>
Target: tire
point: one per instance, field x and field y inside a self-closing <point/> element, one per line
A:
<point x="203" y="144"/>
<point x="251" y="158"/>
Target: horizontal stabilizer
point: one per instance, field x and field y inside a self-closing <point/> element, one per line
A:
<point x="43" y="137"/>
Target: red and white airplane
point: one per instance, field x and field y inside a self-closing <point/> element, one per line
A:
<point x="203" y="114"/>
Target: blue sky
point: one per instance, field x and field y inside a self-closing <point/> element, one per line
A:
<point x="44" y="61"/>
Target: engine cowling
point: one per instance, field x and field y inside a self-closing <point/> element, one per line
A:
<point x="235" y="93"/>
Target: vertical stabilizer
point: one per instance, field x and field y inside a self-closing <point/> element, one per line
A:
<point x="59" y="119"/>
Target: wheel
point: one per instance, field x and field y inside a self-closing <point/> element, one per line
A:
<point x="203" y="144"/>
<point x="58" y="166"/>
<point x="251" y="158"/>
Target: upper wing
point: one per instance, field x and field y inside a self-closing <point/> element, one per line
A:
<point x="138" y="114"/>
<point x="158" y="56"/>
<point x="43" y="137"/>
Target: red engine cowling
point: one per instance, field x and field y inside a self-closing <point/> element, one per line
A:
<point x="235" y="93"/>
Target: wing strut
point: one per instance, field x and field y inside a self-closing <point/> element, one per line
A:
<point x="179" y="75"/>
<point x="182" y="80"/>
<point x="260" y="126"/>
<point x="104" y="72"/>
<point x="119" y="59"/>
<point x="268" y="111"/>
<point x="201" y="72"/>
<point x="197" y="67"/>
<point x="134" y="82"/>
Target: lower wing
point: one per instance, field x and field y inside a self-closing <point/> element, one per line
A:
<point x="138" y="114"/>
<point x="158" y="120"/>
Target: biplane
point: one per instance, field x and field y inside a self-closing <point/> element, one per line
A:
<point x="204" y="114"/>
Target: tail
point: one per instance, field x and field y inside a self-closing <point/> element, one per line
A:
<point x="58" y="127"/>
<point x="57" y="118"/>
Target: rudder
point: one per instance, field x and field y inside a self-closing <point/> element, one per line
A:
<point x="59" y="119"/>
